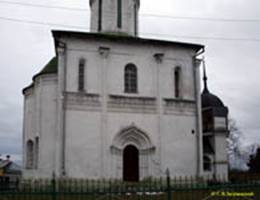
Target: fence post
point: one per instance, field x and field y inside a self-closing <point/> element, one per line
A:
<point x="169" y="189"/>
<point x="53" y="184"/>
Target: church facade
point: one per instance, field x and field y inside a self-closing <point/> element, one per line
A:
<point x="113" y="105"/>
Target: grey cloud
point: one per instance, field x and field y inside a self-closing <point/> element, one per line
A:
<point x="10" y="145"/>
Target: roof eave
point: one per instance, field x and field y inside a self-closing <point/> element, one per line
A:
<point x="58" y="33"/>
<point x="27" y="88"/>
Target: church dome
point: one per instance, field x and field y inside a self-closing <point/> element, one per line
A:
<point x="207" y="98"/>
<point x="210" y="100"/>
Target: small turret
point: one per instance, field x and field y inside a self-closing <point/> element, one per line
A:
<point x="214" y="112"/>
<point x="215" y="131"/>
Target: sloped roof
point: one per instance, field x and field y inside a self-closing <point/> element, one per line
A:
<point x="13" y="168"/>
<point x="50" y="68"/>
<point x="10" y="167"/>
<point x="4" y="163"/>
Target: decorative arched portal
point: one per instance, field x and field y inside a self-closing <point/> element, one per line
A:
<point x="131" y="163"/>
<point x="132" y="152"/>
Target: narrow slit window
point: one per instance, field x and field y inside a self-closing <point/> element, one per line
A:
<point x="36" y="152"/>
<point x="81" y="75"/>
<point x="177" y="80"/>
<point x="135" y="19"/>
<point x="99" y="15"/>
<point x="119" y="13"/>
<point x="130" y="78"/>
<point x="29" y="154"/>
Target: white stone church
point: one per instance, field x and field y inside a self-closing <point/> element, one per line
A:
<point x="113" y="105"/>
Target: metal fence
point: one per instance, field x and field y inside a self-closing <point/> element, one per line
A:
<point x="149" y="189"/>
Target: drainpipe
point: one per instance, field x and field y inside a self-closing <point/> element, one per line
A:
<point x="196" y="64"/>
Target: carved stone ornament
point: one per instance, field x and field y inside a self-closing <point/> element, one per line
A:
<point x="104" y="51"/>
<point x="158" y="57"/>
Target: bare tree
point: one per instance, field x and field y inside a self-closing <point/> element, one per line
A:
<point x="254" y="162"/>
<point x="237" y="158"/>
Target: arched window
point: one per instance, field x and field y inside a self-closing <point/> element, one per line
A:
<point x="81" y="75"/>
<point x="177" y="81"/>
<point x="206" y="163"/>
<point x="130" y="78"/>
<point x="29" y="154"/>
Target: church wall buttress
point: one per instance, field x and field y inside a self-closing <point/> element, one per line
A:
<point x="198" y="118"/>
<point x="104" y="55"/>
<point x="61" y="138"/>
<point x="159" y="58"/>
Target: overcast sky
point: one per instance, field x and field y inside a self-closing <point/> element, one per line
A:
<point x="231" y="36"/>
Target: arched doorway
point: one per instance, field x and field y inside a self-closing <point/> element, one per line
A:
<point x="132" y="145"/>
<point x="131" y="163"/>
